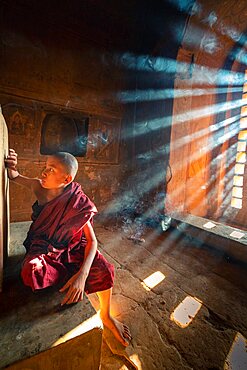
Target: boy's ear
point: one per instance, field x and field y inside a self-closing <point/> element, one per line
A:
<point x="68" y="179"/>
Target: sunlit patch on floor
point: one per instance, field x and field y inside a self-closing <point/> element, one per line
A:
<point x="209" y="225"/>
<point x="135" y="362"/>
<point x="237" y="356"/>
<point x="153" y="280"/>
<point x="85" y="326"/>
<point x="186" y="311"/>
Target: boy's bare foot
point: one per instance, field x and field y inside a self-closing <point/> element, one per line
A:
<point x="119" y="330"/>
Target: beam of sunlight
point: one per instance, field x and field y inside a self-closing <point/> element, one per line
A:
<point x="201" y="73"/>
<point x="207" y="111"/>
<point x="211" y="181"/>
<point x="85" y="326"/>
<point x="179" y="143"/>
<point x="211" y="19"/>
<point x="184" y="140"/>
<point x="129" y="96"/>
<point x="116" y="204"/>
<point x="172" y="236"/>
<point x="213" y="144"/>
<point x="142" y="128"/>
<point x="145" y="127"/>
<point x="157" y="208"/>
<point x="239" y="54"/>
<point x="231" y="180"/>
<point x="195" y="156"/>
<point x="230" y="32"/>
<point x="175" y="192"/>
<point x="153" y="280"/>
<point x="186" y="311"/>
<point x="237" y="356"/>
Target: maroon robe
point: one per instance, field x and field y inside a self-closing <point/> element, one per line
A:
<point x="56" y="243"/>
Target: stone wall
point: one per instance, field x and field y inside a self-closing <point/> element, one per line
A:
<point x="47" y="67"/>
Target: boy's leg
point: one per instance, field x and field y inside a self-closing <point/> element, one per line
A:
<point x="120" y="330"/>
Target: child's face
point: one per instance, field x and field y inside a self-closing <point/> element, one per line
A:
<point x="54" y="175"/>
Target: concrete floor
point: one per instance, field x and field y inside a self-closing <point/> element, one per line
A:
<point x="217" y="283"/>
<point x="214" y="279"/>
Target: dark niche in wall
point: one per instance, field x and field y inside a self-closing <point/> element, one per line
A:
<point x="64" y="133"/>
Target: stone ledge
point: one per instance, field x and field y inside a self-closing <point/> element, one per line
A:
<point x="218" y="237"/>
<point x="32" y="323"/>
<point x="84" y="351"/>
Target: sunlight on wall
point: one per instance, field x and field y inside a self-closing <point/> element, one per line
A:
<point x="237" y="356"/>
<point x="186" y="311"/>
<point x="89" y="324"/>
<point x="153" y="280"/>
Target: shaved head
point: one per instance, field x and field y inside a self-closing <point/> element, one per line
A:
<point x="68" y="161"/>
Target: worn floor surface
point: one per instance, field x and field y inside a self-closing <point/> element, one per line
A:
<point x="213" y="279"/>
<point x="201" y="340"/>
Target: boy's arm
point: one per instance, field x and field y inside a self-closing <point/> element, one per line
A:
<point x="29" y="182"/>
<point x="90" y="249"/>
<point x="13" y="174"/>
<point x="76" y="284"/>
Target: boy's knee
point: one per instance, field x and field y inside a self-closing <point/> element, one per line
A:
<point x="32" y="266"/>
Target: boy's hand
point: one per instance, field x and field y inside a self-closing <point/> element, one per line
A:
<point x="75" y="286"/>
<point x="11" y="163"/>
<point x="11" y="160"/>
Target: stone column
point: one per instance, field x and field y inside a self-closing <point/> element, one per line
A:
<point x="4" y="197"/>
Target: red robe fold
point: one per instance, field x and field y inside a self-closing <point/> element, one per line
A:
<point x="56" y="243"/>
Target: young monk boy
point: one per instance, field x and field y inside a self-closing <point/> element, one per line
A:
<point x="61" y="244"/>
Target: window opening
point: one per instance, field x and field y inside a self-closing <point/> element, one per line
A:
<point x="238" y="179"/>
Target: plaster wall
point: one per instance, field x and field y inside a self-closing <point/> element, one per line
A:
<point x="55" y="69"/>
